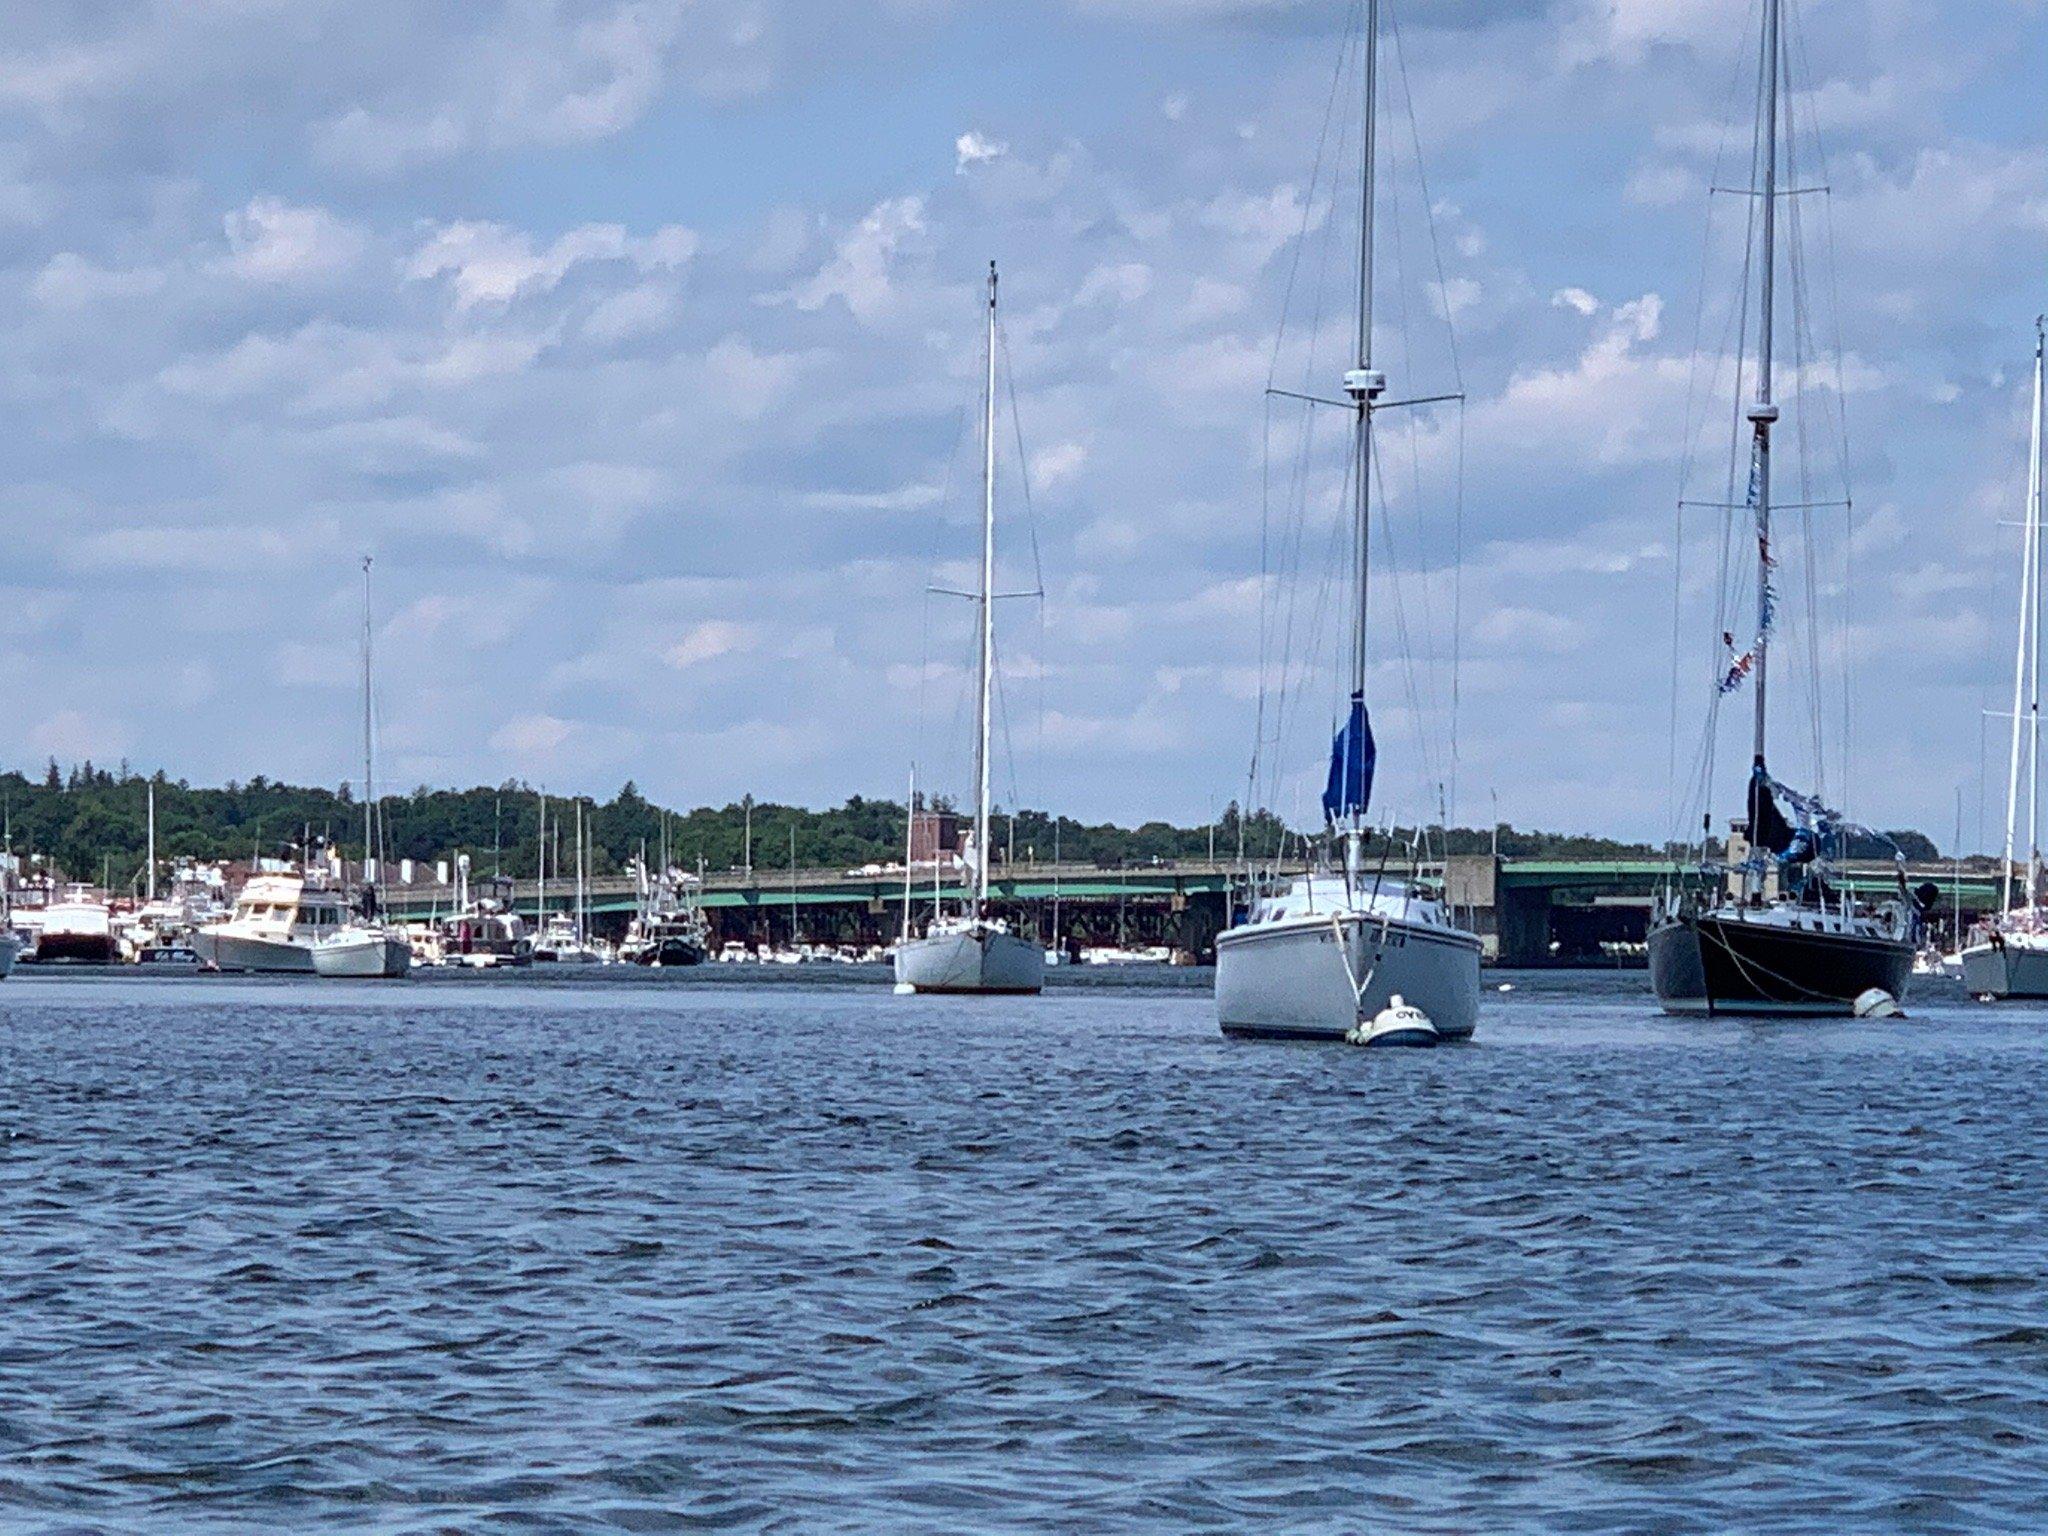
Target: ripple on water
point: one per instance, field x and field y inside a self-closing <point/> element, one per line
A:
<point x="601" y="1256"/>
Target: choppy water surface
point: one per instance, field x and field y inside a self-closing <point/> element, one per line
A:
<point x="475" y="1255"/>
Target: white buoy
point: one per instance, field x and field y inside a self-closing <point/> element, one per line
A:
<point x="904" y="989"/>
<point x="1878" y="1004"/>
<point x="1397" y="1024"/>
<point x="1507" y="986"/>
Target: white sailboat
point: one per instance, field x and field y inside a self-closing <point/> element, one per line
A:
<point x="10" y="942"/>
<point x="367" y="948"/>
<point x="2008" y="956"/>
<point x="1322" y="956"/>
<point x="562" y="939"/>
<point x="969" y="951"/>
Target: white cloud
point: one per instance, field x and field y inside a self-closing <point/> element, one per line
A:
<point x="859" y="273"/>
<point x="973" y="148"/>
<point x="489" y="264"/>
<point x="70" y="281"/>
<point x="532" y="735"/>
<point x="271" y="241"/>
<point x="709" y="641"/>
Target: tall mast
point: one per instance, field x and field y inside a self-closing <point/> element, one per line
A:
<point x="988" y="613"/>
<point x="2034" y="510"/>
<point x="1364" y="385"/>
<point x="909" y="848"/>
<point x="1765" y="412"/>
<point x="150" y="881"/>
<point x="541" y="899"/>
<point x="2026" y="663"/>
<point x="369" y="780"/>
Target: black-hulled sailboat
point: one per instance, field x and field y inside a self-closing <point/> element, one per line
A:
<point x="1771" y="932"/>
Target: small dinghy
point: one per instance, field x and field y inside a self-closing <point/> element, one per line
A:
<point x="1397" y="1024"/>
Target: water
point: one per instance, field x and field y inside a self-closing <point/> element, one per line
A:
<point x="759" y="1253"/>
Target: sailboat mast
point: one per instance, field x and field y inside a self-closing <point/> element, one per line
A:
<point x="909" y="848"/>
<point x="150" y="883"/>
<point x="2033" y="618"/>
<point x="988" y="613"/>
<point x="1764" y="413"/>
<point x="369" y="781"/>
<point x="1364" y="385"/>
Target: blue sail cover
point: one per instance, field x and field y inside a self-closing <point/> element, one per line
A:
<point x="1353" y="756"/>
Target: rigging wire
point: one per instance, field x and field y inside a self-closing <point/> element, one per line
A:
<point x="1272" y="378"/>
<point x="1458" y="383"/>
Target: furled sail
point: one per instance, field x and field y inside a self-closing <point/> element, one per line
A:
<point x="1353" y="756"/>
<point x="1768" y="828"/>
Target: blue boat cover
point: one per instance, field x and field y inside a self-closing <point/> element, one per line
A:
<point x="1353" y="756"/>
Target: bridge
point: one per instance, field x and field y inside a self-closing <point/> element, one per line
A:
<point x="1530" y="912"/>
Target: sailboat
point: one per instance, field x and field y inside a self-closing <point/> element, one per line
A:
<point x="10" y="942"/>
<point x="2008" y="956"/>
<point x="1770" y="935"/>
<point x="1322" y="956"/>
<point x="366" y="947"/>
<point x="970" y="951"/>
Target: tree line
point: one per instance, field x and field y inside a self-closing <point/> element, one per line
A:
<point x="90" y="823"/>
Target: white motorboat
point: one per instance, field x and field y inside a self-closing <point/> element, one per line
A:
<point x="559" y="943"/>
<point x="78" y="930"/>
<point x="2007" y="956"/>
<point x="483" y="933"/>
<point x="972" y="952"/>
<point x="1320" y="955"/>
<point x="364" y="951"/>
<point x="276" y="922"/>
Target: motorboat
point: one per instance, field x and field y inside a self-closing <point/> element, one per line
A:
<point x="275" y="923"/>
<point x="78" y="929"/>
<point x="559" y="943"/>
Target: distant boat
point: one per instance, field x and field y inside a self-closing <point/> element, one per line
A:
<point x="1773" y="935"/>
<point x="367" y="947"/>
<point x="1319" y="955"/>
<point x="484" y="933"/>
<point x="10" y="951"/>
<point x="671" y="930"/>
<point x="972" y="952"/>
<point x="276" y="922"/>
<point x="558" y="943"/>
<point x="2008" y="956"/>
<point x="78" y="930"/>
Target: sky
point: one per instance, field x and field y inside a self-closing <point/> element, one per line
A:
<point x="639" y="342"/>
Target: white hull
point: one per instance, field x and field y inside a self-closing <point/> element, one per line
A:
<point x="239" y="952"/>
<point x="2005" y="971"/>
<point x="364" y="957"/>
<point x="10" y="948"/>
<point x="1288" y="980"/>
<point x="971" y="961"/>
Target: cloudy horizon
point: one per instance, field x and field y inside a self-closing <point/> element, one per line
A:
<point x="638" y="340"/>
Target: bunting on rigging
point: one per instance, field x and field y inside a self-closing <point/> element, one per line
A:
<point x="1739" y="667"/>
